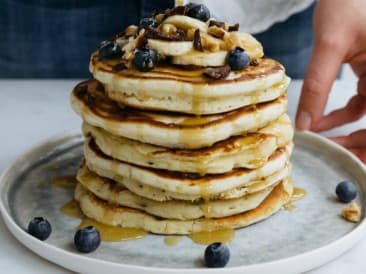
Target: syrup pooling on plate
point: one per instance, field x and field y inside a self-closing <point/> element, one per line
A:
<point x="72" y="209"/>
<point x="209" y="237"/>
<point x="113" y="233"/>
<point x="297" y="194"/>
<point x="172" y="240"/>
<point x="66" y="182"/>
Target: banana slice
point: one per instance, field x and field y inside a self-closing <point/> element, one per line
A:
<point x="170" y="48"/>
<point x="244" y="40"/>
<point x="205" y="59"/>
<point x="218" y="50"/>
<point x="186" y="23"/>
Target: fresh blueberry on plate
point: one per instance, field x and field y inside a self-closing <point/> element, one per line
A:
<point x="145" y="59"/>
<point x="39" y="228"/>
<point x="217" y="255"/>
<point x="346" y="191"/>
<point x="198" y="11"/>
<point x="238" y="59"/>
<point x="87" y="239"/>
<point x="109" y="50"/>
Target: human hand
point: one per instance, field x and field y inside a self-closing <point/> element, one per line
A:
<point x="339" y="37"/>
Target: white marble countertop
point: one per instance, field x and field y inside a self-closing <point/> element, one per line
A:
<point x="32" y="110"/>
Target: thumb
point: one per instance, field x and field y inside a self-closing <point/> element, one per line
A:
<point x="322" y="70"/>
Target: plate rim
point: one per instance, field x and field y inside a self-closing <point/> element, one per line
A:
<point x="72" y="261"/>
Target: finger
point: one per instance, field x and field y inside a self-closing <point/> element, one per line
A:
<point x="353" y="111"/>
<point x="356" y="139"/>
<point x="322" y="71"/>
<point x="361" y="86"/>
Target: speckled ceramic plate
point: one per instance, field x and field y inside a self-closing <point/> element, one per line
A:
<point x="288" y="242"/>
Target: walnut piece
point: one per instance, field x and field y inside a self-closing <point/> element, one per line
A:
<point x="352" y="213"/>
<point x="197" y="40"/>
<point x="210" y="43"/>
<point x="217" y="72"/>
<point x="218" y="24"/>
<point x="217" y="32"/>
<point x="234" y="28"/>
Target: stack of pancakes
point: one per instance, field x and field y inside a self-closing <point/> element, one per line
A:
<point x="174" y="151"/>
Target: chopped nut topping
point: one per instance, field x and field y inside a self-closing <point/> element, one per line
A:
<point x="197" y="40"/>
<point x="179" y="35"/>
<point x="120" y="66"/>
<point x="217" y="32"/>
<point x="217" y="24"/>
<point x="217" y="72"/>
<point x="234" y="28"/>
<point x="254" y="63"/>
<point x="210" y="43"/>
<point x="352" y="212"/>
<point x="232" y="40"/>
<point x="131" y="31"/>
<point x="129" y="56"/>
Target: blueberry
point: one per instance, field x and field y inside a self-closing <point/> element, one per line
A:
<point x="198" y="11"/>
<point x="238" y="59"/>
<point x="217" y="255"/>
<point x="148" y="22"/>
<point x="109" y="50"/>
<point x="145" y="59"/>
<point x="87" y="239"/>
<point x="39" y="228"/>
<point x="346" y="191"/>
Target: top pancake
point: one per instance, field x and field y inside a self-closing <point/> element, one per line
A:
<point x="186" y="89"/>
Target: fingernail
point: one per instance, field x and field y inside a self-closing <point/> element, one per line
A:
<point x="303" y="121"/>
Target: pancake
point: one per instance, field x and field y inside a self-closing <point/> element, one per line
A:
<point x="185" y="183"/>
<point x="173" y="88"/>
<point x="115" y="193"/>
<point x="249" y="151"/>
<point x="161" y="195"/>
<point x="109" y="214"/>
<point x="170" y="129"/>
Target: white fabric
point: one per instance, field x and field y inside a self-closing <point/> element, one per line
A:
<point x="254" y="15"/>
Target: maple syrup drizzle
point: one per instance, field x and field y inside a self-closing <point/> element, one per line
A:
<point x="209" y="237"/>
<point x="297" y="194"/>
<point x="116" y="234"/>
<point x="113" y="233"/>
<point x="72" y="209"/>
<point x="205" y="194"/>
<point x="108" y="233"/>
<point x="289" y="206"/>
<point x="171" y="240"/>
<point x="194" y="121"/>
<point x="65" y="182"/>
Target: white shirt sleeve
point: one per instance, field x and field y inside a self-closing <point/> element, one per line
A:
<point x="254" y="15"/>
